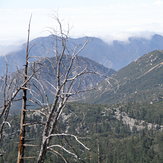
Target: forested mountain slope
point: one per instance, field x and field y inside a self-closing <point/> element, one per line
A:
<point x="142" y="81"/>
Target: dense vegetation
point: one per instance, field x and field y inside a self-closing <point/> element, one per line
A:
<point x="140" y="81"/>
<point x="109" y="140"/>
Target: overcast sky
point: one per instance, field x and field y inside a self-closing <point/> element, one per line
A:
<point x="108" y="19"/>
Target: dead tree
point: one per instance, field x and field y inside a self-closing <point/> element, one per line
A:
<point x="10" y="86"/>
<point x="63" y="91"/>
<point x="6" y="100"/>
<point x="21" y="145"/>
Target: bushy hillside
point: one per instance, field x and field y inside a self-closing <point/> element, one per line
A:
<point x="139" y="81"/>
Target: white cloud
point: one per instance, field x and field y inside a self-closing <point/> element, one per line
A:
<point x="114" y="20"/>
<point x="6" y="49"/>
<point x="158" y="2"/>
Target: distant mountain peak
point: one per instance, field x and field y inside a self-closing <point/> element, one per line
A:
<point x="116" y="55"/>
<point x="157" y="36"/>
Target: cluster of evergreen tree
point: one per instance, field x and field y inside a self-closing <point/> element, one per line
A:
<point x="109" y="140"/>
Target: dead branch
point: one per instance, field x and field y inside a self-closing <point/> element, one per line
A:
<point x="66" y="150"/>
<point x="70" y="135"/>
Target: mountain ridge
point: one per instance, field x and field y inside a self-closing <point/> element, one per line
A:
<point x="116" y="55"/>
<point x="141" y="81"/>
<point x="45" y="79"/>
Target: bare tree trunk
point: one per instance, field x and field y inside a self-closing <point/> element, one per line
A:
<point x="21" y="147"/>
<point x="98" y="151"/>
<point x="48" y="130"/>
<point x="43" y="151"/>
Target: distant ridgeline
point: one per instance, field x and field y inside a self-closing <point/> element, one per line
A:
<point x="115" y="55"/>
<point x="47" y="75"/>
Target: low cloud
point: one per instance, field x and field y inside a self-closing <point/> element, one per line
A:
<point x="6" y="49"/>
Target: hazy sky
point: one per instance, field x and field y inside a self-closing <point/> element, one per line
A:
<point x="108" y="19"/>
